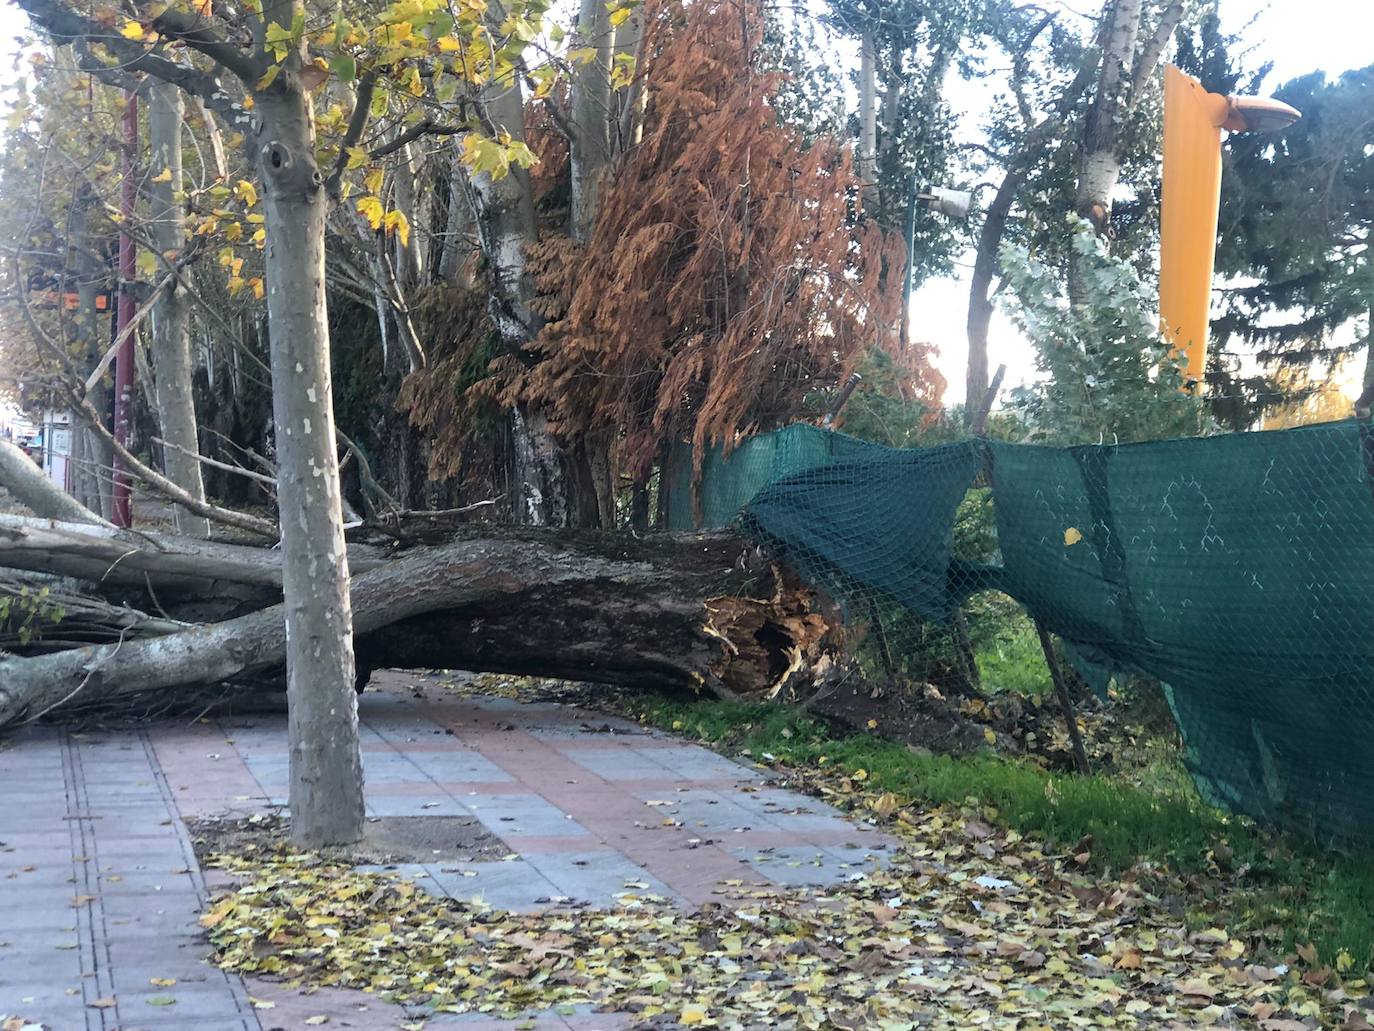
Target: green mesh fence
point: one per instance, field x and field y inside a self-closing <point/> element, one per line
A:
<point x="1238" y="570"/>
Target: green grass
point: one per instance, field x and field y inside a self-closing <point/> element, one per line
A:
<point x="1322" y="898"/>
<point x="1013" y="662"/>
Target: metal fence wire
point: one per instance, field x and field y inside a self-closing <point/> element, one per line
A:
<point x="1238" y="570"/>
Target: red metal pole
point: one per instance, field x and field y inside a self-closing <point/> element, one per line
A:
<point x="124" y="359"/>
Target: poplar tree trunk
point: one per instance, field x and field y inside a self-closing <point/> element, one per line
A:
<point x="326" y="797"/>
<point x="868" y="121"/>
<point x="591" y="104"/>
<point x="172" y="370"/>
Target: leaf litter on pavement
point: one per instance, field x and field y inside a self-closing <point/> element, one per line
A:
<point x="969" y="926"/>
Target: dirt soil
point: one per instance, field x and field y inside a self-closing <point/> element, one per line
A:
<point x="386" y="840"/>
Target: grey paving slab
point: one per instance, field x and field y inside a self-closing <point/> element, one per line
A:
<point x="691" y="762"/>
<point x="103" y="905"/>
<point x="620" y="763"/>
<point x="515" y="885"/>
<point x="604" y="878"/>
<point x="521" y="814"/>
<point x="705" y="809"/>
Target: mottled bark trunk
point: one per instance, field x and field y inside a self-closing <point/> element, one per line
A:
<point x="172" y="368"/>
<point x="590" y="115"/>
<point x="326" y="797"/>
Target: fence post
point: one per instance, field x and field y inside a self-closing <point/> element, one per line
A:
<point x="1080" y="755"/>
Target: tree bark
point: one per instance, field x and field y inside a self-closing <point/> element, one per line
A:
<point x="89" y="455"/>
<point x="980" y="288"/>
<point x="326" y="798"/>
<point x="175" y="569"/>
<point x="691" y="612"/>
<point x="629" y="42"/>
<point x="590" y="150"/>
<point x="26" y="481"/>
<point x="457" y="250"/>
<point x="868" y="121"/>
<point x="1100" y="160"/>
<point x="172" y="368"/>
<point x="506" y="225"/>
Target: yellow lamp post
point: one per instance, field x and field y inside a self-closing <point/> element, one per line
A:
<point x="1193" y="120"/>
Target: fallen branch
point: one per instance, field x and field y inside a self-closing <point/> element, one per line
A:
<point x="178" y="564"/>
<point x="26" y="481"/>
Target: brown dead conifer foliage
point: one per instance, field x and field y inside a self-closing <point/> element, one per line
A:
<point x="726" y="277"/>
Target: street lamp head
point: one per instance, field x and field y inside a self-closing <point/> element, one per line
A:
<point x="1258" y="114"/>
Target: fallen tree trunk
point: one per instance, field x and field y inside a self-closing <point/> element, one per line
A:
<point x="172" y="567"/>
<point x="28" y="483"/>
<point x="698" y="612"/>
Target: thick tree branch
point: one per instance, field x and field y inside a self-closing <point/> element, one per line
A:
<point x="357" y="122"/>
<point x="202" y="37"/>
<point x="67" y="26"/>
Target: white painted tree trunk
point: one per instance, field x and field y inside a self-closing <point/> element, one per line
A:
<point x="326" y="795"/>
<point x="172" y="367"/>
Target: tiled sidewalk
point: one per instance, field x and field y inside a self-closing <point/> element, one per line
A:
<point x="99" y="890"/>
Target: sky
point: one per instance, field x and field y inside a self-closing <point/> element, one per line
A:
<point x="1298" y="36"/>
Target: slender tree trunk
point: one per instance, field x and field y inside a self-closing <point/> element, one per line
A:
<point x="172" y="368"/>
<point x="457" y="247"/>
<point x="88" y="451"/>
<point x="629" y="42"/>
<point x="980" y="289"/>
<point x="1369" y="349"/>
<point x="326" y="796"/>
<point x="868" y="121"/>
<point x="591" y="112"/>
<point x="407" y="259"/>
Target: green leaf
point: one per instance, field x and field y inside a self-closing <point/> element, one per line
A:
<point x="344" y="67"/>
